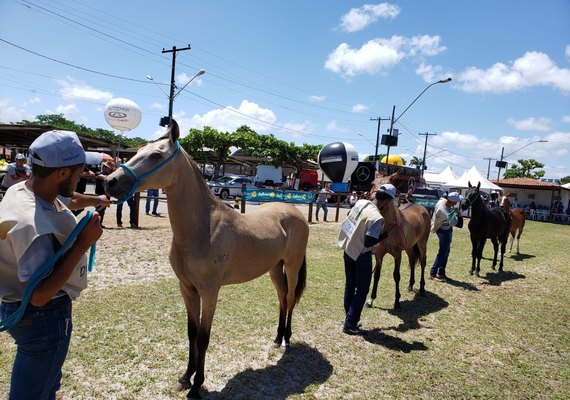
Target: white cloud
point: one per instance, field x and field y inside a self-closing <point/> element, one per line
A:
<point x="317" y="99"/>
<point x="530" y="124"/>
<point x="230" y="118"/>
<point x="380" y="54"/>
<point x="69" y="111"/>
<point x="74" y="90"/>
<point x="359" y="18"/>
<point x="11" y="113"/>
<point x="566" y="118"/>
<point x="334" y="127"/>
<point x="431" y="73"/>
<point x="532" y="69"/>
<point x="567" y="52"/>
<point x="33" y="100"/>
<point x="183" y="78"/>
<point x="157" y="106"/>
<point x="358" y="108"/>
<point x="556" y="138"/>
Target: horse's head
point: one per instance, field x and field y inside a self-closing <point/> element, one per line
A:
<point x="148" y="169"/>
<point x="471" y="196"/>
<point x="505" y="202"/>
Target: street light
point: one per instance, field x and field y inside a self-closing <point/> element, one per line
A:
<point x="390" y="141"/>
<point x="166" y="120"/>
<point x="503" y="164"/>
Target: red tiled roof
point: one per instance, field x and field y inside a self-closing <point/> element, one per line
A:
<point x="525" y="182"/>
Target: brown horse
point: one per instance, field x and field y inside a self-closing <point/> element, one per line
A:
<point x="412" y="224"/>
<point x="213" y="245"/>
<point x="518" y="219"/>
<point x="494" y="224"/>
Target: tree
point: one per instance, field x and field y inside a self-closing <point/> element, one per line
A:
<point x="418" y="162"/>
<point x="524" y="170"/>
<point x="565" y="180"/>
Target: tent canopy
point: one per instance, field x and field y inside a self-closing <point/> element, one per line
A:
<point x="473" y="176"/>
<point x="447" y="175"/>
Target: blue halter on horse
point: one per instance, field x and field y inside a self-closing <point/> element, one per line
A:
<point x="138" y="179"/>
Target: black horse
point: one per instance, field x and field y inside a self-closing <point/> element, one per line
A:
<point x="494" y="224"/>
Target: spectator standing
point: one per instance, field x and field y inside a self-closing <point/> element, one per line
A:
<point x="107" y="168"/>
<point x="132" y="213"/>
<point x="322" y="198"/>
<point x="17" y="171"/>
<point x="353" y="199"/>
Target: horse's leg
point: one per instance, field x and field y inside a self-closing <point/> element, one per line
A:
<point x="209" y="299"/>
<point x="504" y="239"/>
<point x="495" y="242"/>
<point x="412" y="259"/>
<point x="296" y="272"/>
<point x="192" y="303"/>
<point x="480" y="248"/>
<point x="474" y="246"/>
<point x="376" y="272"/>
<point x="423" y="262"/>
<point x="397" y="262"/>
<point x="280" y="282"/>
<point x="512" y="241"/>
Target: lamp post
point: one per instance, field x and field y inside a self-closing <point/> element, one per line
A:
<point x="502" y="164"/>
<point x="393" y="121"/>
<point x="172" y="95"/>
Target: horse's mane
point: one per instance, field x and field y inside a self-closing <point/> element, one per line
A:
<point x="199" y="177"/>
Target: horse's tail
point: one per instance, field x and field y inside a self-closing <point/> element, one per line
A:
<point x="301" y="279"/>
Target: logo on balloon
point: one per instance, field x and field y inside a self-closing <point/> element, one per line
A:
<point x="123" y="114"/>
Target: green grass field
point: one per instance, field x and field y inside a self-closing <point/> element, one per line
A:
<point x="501" y="336"/>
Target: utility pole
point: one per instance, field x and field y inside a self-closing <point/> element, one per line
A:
<point x="163" y="122"/>
<point x="489" y="165"/>
<point x="390" y="134"/>
<point x="426" y="134"/>
<point x="379" y="119"/>
<point x="500" y="164"/>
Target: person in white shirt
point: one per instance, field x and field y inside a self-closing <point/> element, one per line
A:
<point x="17" y="171"/>
<point x="444" y="218"/>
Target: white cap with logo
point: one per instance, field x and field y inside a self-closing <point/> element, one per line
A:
<point x="57" y="149"/>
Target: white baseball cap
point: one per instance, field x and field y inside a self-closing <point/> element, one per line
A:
<point x="57" y="149"/>
<point x="20" y="156"/>
<point x="389" y="189"/>
<point x="454" y="197"/>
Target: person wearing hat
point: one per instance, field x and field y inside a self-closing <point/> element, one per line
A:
<point x="42" y="223"/>
<point x="362" y="229"/>
<point x="107" y="168"/>
<point x="444" y="218"/>
<point x="17" y="171"/>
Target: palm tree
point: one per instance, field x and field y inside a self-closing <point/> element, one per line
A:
<point x="418" y="162"/>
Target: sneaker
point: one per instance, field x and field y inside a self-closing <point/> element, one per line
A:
<point x="156" y="214"/>
<point x="134" y="226"/>
<point x="147" y="213"/>
<point x="441" y="278"/>
<point x="431" y="276"/>
<point x="119" y="225"/>
<point x="352" y="331"/>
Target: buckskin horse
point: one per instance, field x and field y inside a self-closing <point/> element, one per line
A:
<point x="213" y="245"/>
<point x="485" y="224"/>
<point x="518" y="219"/>
<point x="412" y="223"/>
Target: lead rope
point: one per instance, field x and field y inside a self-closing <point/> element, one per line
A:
<point x="45" y="270"/>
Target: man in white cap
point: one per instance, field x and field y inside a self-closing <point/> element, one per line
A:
<point x="444" y="218"/>
<point x="17" y="171"/>
<point x="41" y="224"/>
<point x="362" y="229"/>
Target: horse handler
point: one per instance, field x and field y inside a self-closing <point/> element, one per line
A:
<point x="362" y="229"/>
<point x="444" y="218"/>
<point x="41" y="223"/>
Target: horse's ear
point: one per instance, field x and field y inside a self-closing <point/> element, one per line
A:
<point x="478" y="185"/>
<point x="173" y="131"/>
<point x="469" y="183"/>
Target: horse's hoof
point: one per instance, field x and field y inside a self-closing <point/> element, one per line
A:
<point x="493" y="267"/>
<point x="410" y="289"/>
<point x="181" y="386"/>
<point x="369" y="304"/>
<point x="470" y="272"/>
<point x="193" y="394"/>
<point x="477" y="274"/>
<point x="397" y="306"/>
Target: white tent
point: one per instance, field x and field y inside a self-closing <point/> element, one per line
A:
<point x="473" y="176"/>
<point x="447" y="175"/>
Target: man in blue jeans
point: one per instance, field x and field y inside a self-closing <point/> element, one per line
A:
<point x="362" y="229"/>
<point x="152" y="194"/>
<point x="444" y="218"/>
<point x="41" y="223"/>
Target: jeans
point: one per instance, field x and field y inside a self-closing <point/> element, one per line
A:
<point x="358" y="276"/>
<point x="132" y="212"/>
<point x="152" y="194"/>
<point x="42" y="337"/>
<point x="322" y="205"/>
<point x="440" y="261"/>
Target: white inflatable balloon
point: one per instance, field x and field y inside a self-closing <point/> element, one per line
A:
<point x="123" y="114"/>
<point x="338" y="161"/>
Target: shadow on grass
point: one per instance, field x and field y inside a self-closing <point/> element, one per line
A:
<point x="376" y="336"/>
<point x="497" y="278"/>
<point x="299" y="367"/>
<point x="463" y="285"/>
<point x="521" y="257"/>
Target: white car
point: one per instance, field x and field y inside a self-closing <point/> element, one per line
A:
<point x="230" y="186"/>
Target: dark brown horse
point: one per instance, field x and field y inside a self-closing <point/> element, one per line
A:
<point x="213" y="245"/>
<point x="494" y="224"/>
<point x="411" y="224"/>
<point x="518" y="219"/>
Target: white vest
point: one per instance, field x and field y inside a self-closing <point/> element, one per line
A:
<point x="353" y="231"/>
<point x="31" y="221"/>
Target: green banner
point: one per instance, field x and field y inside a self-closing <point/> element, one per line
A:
<point x="427" y="203"/>
<point x="287" y="196"/>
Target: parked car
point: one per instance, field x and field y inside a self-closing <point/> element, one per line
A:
<point x="230" y="186"/>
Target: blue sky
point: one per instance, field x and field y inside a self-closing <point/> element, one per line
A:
<point x="307" y="71"/>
